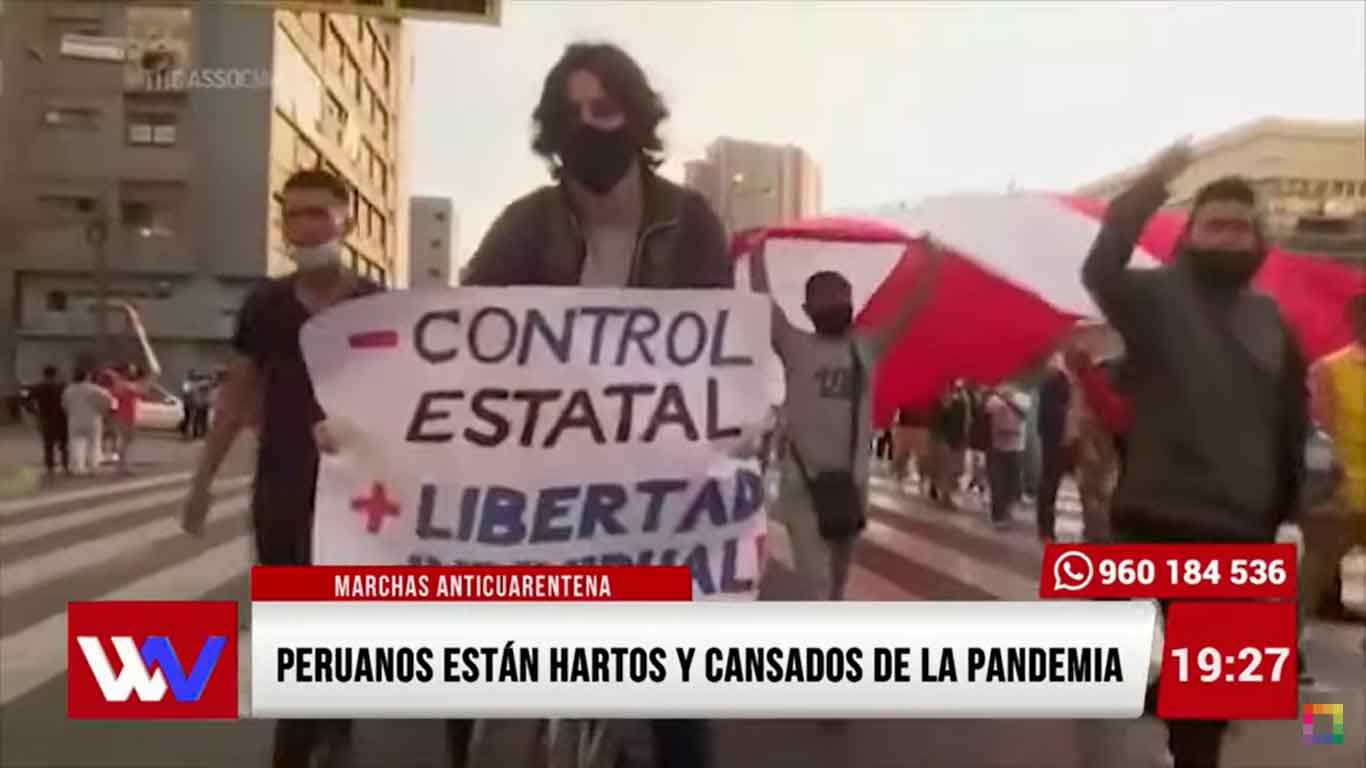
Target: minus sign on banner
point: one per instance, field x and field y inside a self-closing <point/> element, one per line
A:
<point x="374" y="340"/>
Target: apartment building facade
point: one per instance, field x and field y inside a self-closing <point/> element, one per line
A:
<point x="155" y="141"/>
<point x="753" y="184"/>
<point x="435" y="233"/>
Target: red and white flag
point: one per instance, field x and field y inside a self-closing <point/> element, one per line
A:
<point x="1011" y="291"/>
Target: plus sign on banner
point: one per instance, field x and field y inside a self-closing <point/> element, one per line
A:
<point x="539" y="425"/>
<point x="374" y="506"/>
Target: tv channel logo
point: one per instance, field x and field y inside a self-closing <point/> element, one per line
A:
<point x="1337" y="727"/>
<point x="151" y="660"/>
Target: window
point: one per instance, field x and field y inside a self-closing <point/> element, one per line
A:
<point x="384" y="123"/>
<point x="71" y="118"/>
<point x="384" y="179"/>
<point x="357" y="81"/>
<point x="305" y="156"/>
<point x="312" y="23"/>
<point x="151" y="209"/>
<point x="56" y="301"/>
<point x="151" y="128"/>
<point x="384" y="69"/>
<point x="59" y="27"/>
<point x="65" y="208"/>
<point x="334" y="118"/>
<point x="339" y="46"/>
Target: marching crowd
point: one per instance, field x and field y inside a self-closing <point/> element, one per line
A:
<point x="1195" y="433"/>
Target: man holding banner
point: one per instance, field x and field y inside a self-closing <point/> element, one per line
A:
<point x="610" y="222"/>
<point x="828" y="414"/>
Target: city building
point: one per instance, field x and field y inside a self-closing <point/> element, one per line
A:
<point x="1310" y="175"/>
<point x="434" y="232"/>
<point x="142" y="153"/>
<point x="750" y="184"/>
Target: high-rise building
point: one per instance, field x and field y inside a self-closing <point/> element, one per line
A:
<point x="1310" y="176"/>
<point x="148" y="145"/>
<point x="434" y="234"/>
<point x="750" y="184"/>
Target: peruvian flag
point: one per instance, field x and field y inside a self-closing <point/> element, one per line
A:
<point x="1010" y="291"/>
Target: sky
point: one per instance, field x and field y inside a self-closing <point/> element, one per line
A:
<point x="894" y="100"/>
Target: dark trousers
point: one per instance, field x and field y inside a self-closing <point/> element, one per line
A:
<point x="283" y="526"/>
<point x="1005" y="472"/>
<point x="199" y="422"/>
<point x="54" y="445"/>
<point x="1057" y="462"/>
<point x="682" y="743"/>
<point x="1193" y="743"/>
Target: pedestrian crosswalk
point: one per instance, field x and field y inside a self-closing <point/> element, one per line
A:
<point x="122" y="541"/>
<point x="59" y="546"/>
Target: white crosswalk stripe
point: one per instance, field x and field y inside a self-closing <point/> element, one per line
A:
<point x="19" y="575"/>
<point x="104" y="489"/>
<point x="949" y="545"/>
<point x="37" y="529"/>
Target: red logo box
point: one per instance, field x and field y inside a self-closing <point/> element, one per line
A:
<point x="151" y="661"/>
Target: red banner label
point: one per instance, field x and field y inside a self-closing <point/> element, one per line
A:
<point x="361" y="583"/>
<point x="1189" y="571"/>
<point x="1229" y="661"/>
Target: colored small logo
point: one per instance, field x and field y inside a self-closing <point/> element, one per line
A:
<point x="123" y="659"/>
<point x="1338" y="726"/>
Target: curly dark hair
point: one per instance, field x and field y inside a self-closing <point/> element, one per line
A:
<point x="622" y="79"/>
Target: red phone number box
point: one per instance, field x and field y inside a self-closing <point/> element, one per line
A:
<point x="1175" y="571"/>
<point x="1229" y="661"/>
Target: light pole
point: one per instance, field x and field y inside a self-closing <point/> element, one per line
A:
<point x="97" y="235"/>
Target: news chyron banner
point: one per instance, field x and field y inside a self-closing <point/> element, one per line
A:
<point x="537" y="426"/>
<point x="616" y="643"/>
<point x="461" y="11"/>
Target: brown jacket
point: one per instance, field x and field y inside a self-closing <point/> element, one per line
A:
<point x="537" y="240"/>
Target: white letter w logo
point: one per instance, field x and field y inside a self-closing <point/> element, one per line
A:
<point x="133" y="676"/>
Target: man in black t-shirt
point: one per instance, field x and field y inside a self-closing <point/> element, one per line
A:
<point x="267" y="387"/>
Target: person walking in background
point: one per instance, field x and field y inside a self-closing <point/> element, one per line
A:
<point x="1057" y="442"/>
<point x="197" y="407"/>
<point x="1005" y="463"/>
<point x="86" y="404"/>
<point x="45" y="401"/>
<point x="128" y="387"/>
<point x="979" y="441"/>
<point x="1338" y="386"/>
<point x="1095" y="459"/>
<point x="1217" y="382"/>
<point x="950" y="433"/>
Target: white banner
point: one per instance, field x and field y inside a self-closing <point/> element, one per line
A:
<point x="710" y="660"/>
<point x="563" y="426"/>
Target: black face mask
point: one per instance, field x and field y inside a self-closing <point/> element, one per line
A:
<point x="1223" y="270"/>
<point x="833" y="321"/>
<point x="598" y="159"/>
